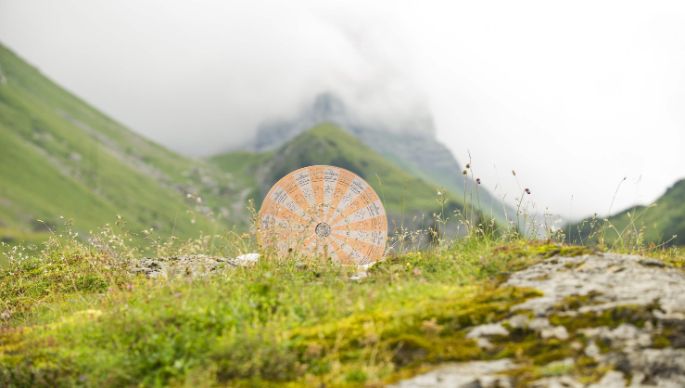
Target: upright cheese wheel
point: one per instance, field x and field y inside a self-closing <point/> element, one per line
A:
<point x="323" y="211"/>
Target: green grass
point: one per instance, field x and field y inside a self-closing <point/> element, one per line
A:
<point x="405" y="196"/>
<point x="75" y="315"/>
<point x="60" y="157"/>
<point x="661" y="223"/>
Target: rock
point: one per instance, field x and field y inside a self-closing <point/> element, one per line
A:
<point x="625" y="312"/>
<point x="487" y="330"/>
<point x="246" y="259"/>
<point x="184" y="266"/>
<point x="611" y="379"/>
<point x="363" y="272"/>
<point x="636" y="284"/>
<point x="556" y="382"/>
<point x="651" y="263"/>
<point x="608" y="282"/>
<point x="558" y="332"/>
<point x="591" y="350"/>
<point x="466" y="374"/>
<point x="519" y="321"/>
<point x="483" y="343"/>
<point x="539" y="324"/>
<point x="359" y="275"/>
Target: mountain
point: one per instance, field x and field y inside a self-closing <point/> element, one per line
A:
<point x="661" y="222"/>
<point x="60" y="157"/>
<point x="409" y="199"/>
<point x="412" y="146"/>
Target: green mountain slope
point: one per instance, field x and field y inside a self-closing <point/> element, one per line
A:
<point x="61" y="157"/>
<point x="411" y="145"/>
<point x="661" y="222"/>
<point x="408" y="199"/>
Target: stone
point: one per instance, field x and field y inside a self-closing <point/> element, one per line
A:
<point x="636" y="284"/>
<point x="487" y="330"/>
<point x="591" y="350"/>
<point x="465" y="374"/>
<point x="558" y="332"/>
<point x="611" y="379"/>
<point x="646" y="342"/>
<point x="184" y="266"/>
<point x="246" y="259"/>
<point x="556" y="382"/>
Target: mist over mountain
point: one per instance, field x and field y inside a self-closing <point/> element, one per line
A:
<point x="330" y="107"/>
<point x="410" y="143"/>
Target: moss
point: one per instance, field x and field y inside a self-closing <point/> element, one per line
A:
<point x="545" y="249"/>
<point x="275" y="323"/>
<point x="421" y="334"/>
<point x="527" y="345"/>
<point x="521" y="254"/>
<point x="91" y="283"/>
<point x="556" y="368"/>
<point x="660" y="341"/>
<point x="635" y="315"/>
<point x="574" y="302"/>
<point x="670" y="333"/>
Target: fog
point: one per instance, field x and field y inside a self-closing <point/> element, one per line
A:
<point x="573" y="96"/>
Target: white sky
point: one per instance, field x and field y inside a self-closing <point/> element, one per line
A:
<point x="572" y="95"/>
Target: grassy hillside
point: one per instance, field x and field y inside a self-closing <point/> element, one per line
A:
<point x="76" y="315"/>
<point x="662" y="222"/>
<point x="404" y="195"/>
<point x="60" y="157"/>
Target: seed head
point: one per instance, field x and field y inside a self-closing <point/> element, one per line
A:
<point x="468" y="165"/>
<point x="527" y="190"/>
<point x="464" y="172"/>
<point x="478" y="180"/>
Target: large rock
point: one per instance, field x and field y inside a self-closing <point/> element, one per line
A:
<point x="189" y="265"/>
<point x="623" y="314"/>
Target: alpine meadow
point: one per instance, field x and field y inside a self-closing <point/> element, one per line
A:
<point x="312" y="206"/>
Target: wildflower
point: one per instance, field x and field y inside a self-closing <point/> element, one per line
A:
<point x="478" y="180"/>
<point x="527" y="190"/>
<point x="468" y="165"/>
<point x="464" y="172"/>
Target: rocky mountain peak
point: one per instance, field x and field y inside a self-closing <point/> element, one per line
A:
<point x="328" y="107"/>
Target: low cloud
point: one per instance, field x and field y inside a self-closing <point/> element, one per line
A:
<point x="573" y="96"/>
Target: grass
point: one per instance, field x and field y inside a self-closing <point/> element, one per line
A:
<point x="62" y="158"/>
<point x="74" y="315"/>
<point x="405" y="196"/>
<point x="662" y="223"/>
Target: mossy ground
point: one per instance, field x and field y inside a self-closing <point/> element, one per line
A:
<point x="74" y="315"/>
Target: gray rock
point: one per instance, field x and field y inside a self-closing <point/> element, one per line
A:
<point x="487" y="330"/>
<point x="635" y="284"/>
<point x="558" y="332"/>
<point x="556" y="382"/>
<point x="183" y="266"/>
<point x="611" y="379"/>
<point x="609" y="281"/>
<point x="246" y="260"/>
<point x="466" y="374"/>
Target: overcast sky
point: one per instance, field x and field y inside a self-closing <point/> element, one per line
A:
<point x="574" y="96"/>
